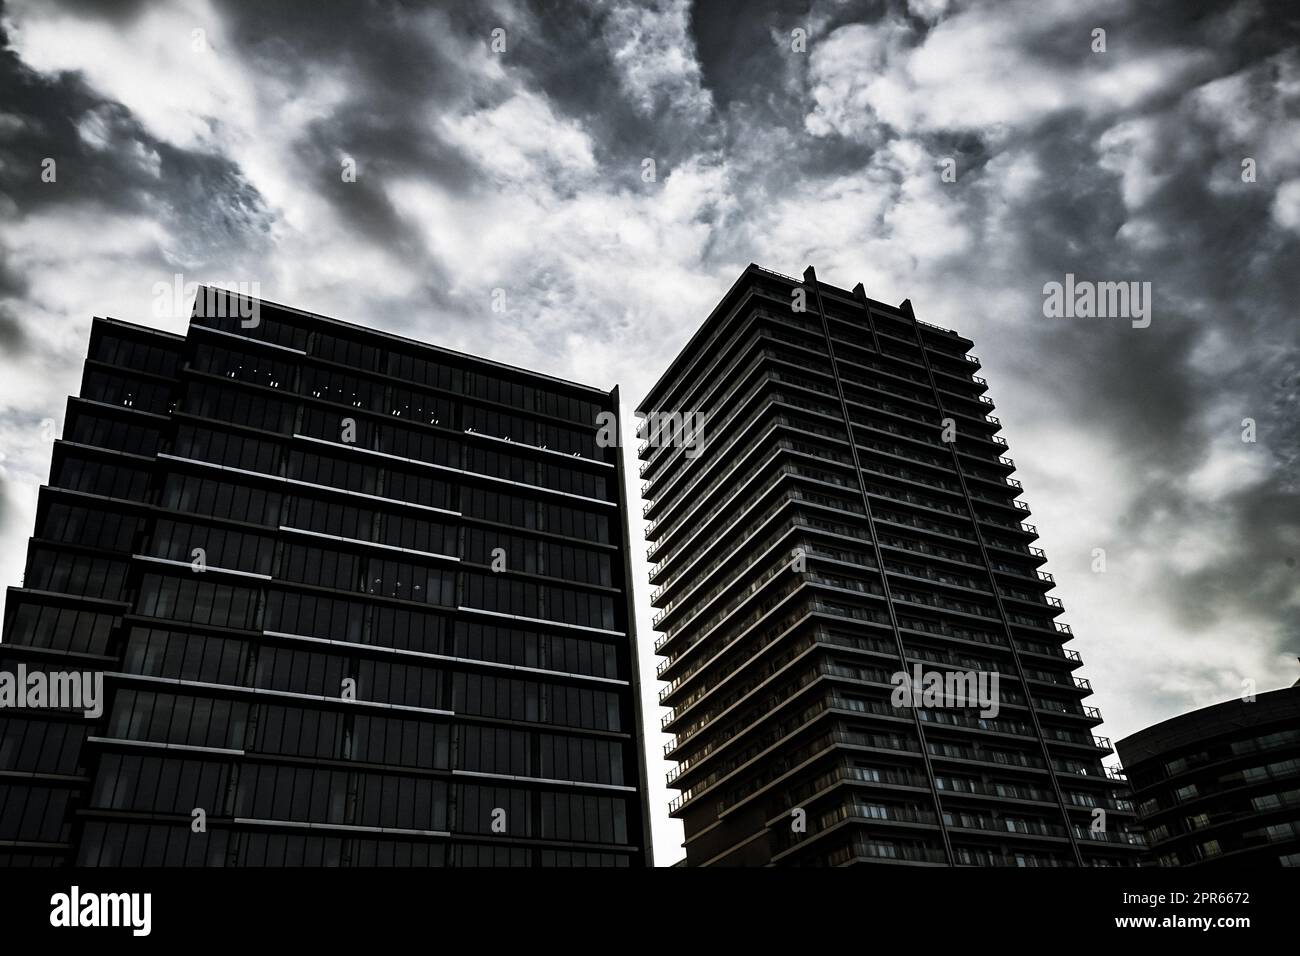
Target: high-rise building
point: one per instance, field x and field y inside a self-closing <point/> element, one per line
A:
<point x="796" y="741"/>
<point x="354" y="600"/>
<point x="1221" y="785"/>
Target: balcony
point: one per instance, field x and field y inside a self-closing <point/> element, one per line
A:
<point x="1122" y="838"/>
<point x="862" y="848"/>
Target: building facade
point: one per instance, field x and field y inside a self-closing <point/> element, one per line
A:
<point x="354" y="600"/>
<point x="1221" y="785"/>
<point x="830" y="506"/>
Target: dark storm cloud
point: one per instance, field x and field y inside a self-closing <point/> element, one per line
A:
<point x="1146" y="388"/>
<point x="13" y="341"/>
<point x="394" y="75"/>
<point x="104" y="157"/>
<point x="399" y="78"/>
<point x="1219" y="281"/>
<point x="1206" y="242"/>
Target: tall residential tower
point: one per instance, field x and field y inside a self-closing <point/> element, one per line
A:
<point x="355" y="600"/>
<point x="830" y="506"/>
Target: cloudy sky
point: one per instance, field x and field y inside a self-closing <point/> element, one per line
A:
<point x="218" y="155"/>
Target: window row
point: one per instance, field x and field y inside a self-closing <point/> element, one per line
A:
<point x="368" y="574"/>
<point x="160" y="784"/>
<point x="536" y="515"/>
<point x="93" y="526"/>
<point x="128" y="391"/>
<point x="534" y="556"/>
<point x="532" y="754"/>
<point x="244" y="365"/>
<point x="264" y="329"/>
<point x="41" y="746"/>
<point x="428" y="371"/>
<point x="368" y="524"/>
<point x="367" y="477"/>
<point x="394" y="438"/>
<point x="492" y="592"/>
<point x="49" y="569"/>
<point x="484" y="459"/>
<point x="240" y="407"/>
<point x="59" y="628"/>
<point x="527" y="700"/>
<point x="111" y="479"/>
<point x="199" y="600"/>
<point x="556" y="652"/>
<point x="280" y="729"/>
<point x="530" y="431"/>
<point x="221" y="499"/>
<point x="34" y="813"/>
<point x="345" y="797"/>
<point x="227" y="448"/>
<point x="156" y="844"/>
<point x="212" y="547"/>
<point x="112" y="348"/>
<point x="101" y="431"/>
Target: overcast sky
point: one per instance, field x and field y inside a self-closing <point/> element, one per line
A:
<point x="219" y="156"/>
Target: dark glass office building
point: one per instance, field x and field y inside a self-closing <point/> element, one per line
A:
<point x="356" y="600"/>
<point x="1220" y="786"/>
<point x="812" y="535"/>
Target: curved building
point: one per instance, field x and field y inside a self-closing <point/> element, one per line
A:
<point x="1222" y="784"/>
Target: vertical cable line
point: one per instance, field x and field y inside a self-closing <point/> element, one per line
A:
<point x="906" y="308"/>
<point x="810" y="277"/>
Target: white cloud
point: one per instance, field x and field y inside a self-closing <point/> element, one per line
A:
<point x="654" y="52"/>
<point x="976" y="71"/>
<point x="182" y="95"/>
<point x="522" y="138"/>
<point x="1286" y="205"/>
